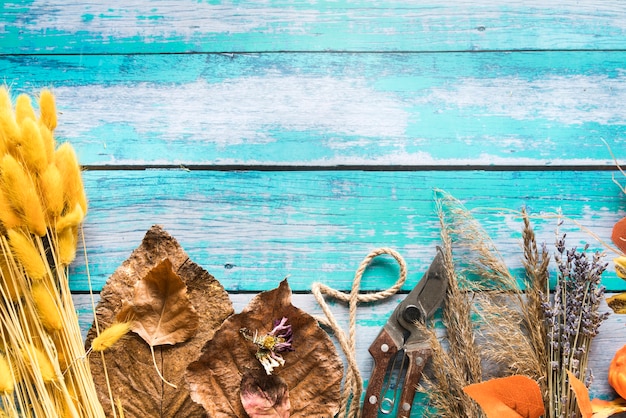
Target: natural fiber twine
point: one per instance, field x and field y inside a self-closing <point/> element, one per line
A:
<point x="353" y="385"/>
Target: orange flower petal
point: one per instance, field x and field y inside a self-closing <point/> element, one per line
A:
<point x="508" y="397"/>
<point x="582" y="395"/>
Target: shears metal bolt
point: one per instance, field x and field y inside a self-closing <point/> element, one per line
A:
<point x="412" y="314"/>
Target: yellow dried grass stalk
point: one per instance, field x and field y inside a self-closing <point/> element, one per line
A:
<point x="71" y="219"/>
<point x="47" y="109"/>
<point x="42" y="189"/>
<point x="9" y="129"/>
<point x="110" y="336"/>
<point x="7" y="381"/>
<point x="48" y="141"/>
<point x="5" y="100"/>
<point x="24" y="108"/>
<point x="11" y="287"/>
<point x="22" y="194"/>
<point x="52" y="191"/>
<point x="8" y="217"/>
<point x="67" y="163"/>
<point x="66" y="243"/>
<point x="38" y="363"/>
<point x="46" y="306"/>
<point x="27" y="254"/>
<point x="31" y="149"/>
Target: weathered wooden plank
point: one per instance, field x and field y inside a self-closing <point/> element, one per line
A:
<point x="371" y="317"/>
<point x="524" y="109"/>
<point x="141" y="26"/>
<point x="251" y="229"/>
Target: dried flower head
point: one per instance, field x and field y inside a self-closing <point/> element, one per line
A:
<point x="270" y="345"/>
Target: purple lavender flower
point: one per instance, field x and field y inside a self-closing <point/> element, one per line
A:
<point x="572" y="318"/>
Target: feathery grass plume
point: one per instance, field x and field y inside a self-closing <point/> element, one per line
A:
<point x="9" y="129"/>
<point x="461" y="364"/>
<point x="38" y="363"/>
<point x="51" y="185"/>
<point x="66" y="245"/>
<point x="458" y="311"/>
<point x="71" y="219"/>
<point x="445" y="387"/>
<point x="22" y="194"/>
<point x="498" y="301"/>
<point x="110" y="336"/>
<point x="24" y="109"/>
<point x="45" y="304"/>
<point x="67" y="163"/>
<point x="49" y="143"/>
<point x="27" y="254"/>
<point x="5" y="99"/>
<point x="47" y="109"/>
<point x="31" y="148"/>
<point x="8" y="217"/>
<point x="536" y="264"/>
<point x="7" y="382"/>
<point x="11" y="288"/>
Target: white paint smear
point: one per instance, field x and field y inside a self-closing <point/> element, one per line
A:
<point x="570" y="100"/>
<point x="237" y="110"/>
<point x="179" y="19"/>
<point x="163" y="18"/>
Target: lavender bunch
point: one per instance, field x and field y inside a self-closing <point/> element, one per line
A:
<point x="572" y="320"/>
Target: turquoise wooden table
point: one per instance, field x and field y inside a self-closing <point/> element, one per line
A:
<point x="284" y="138"/>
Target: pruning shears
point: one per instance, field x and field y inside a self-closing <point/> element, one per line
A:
<point x="401" y="339"/>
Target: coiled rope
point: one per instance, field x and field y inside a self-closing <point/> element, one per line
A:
<point x="353" y="385"/>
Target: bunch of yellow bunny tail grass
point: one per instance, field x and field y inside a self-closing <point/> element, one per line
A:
<point x="43" y="371"/>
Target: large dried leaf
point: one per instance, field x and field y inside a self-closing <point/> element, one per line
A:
<point x="161" y="310"/>
<point x="134" y="380"/>
<point x="312" y="372"/>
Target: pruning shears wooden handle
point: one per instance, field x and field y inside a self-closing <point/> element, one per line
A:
<point x="401" y="337"/>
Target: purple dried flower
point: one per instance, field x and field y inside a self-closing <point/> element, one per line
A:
<point x="278" y="340"/>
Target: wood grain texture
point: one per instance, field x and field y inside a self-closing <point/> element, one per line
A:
<point x="303" y="109"/>
<point x="141" y="26"/>
<point x="251" y="229"/>
<point x="318" y="131"/>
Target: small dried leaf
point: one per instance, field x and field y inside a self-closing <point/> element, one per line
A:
<point x="312" y="372"/>
<point x="582" y="395"/>
<point x="160" y="310"/>
<point x="508" y="397"/>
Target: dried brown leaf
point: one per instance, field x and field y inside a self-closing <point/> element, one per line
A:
<point x="131" y="372"/>
<point x="161" y="310"/>
<point x="312" y="372"/>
